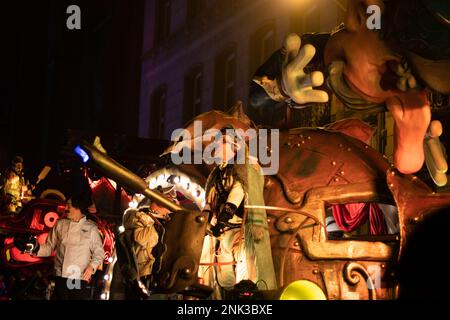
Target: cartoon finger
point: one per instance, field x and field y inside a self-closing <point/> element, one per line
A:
<point x="435" y="130"/>
<point x="434" y="147"/>
<point x="316" y="78"/>
<point x="412" y="83"/>
<point x="397" y="68"/>
<point x="308" y="96"/>
<point x="439" y="178"/>
<point x="437" y="154"/>
<point x="305" y="55"/>
<point x="291" y="46"/>
<point x="436" y="163"/>
<point x="401" y="84"/>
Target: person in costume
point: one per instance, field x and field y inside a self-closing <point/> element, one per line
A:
<point x="243" y="241"/>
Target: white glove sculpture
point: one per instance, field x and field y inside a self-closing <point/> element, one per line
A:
<point x="295" y="84"/>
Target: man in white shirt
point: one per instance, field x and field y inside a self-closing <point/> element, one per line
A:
<point x="79" y="251"/>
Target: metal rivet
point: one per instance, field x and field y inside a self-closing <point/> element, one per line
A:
<point x="296" y="243"/>
<point x="200" y="219"/>
<point x="336" y="179"/>
<point x="349" y="149"/>
<point x="392" y="173"/>
<point x="315" y="271"/>
<point x="288" y="144"/>
<point x="341" y="145"/>
<point x="366" y="146"/>
<point x="288" y="220"/>
<point x="186" y="271"/>
<point x="414" y="178"/>
<point x="300" y="136"/>
<point x="268" y="220"/>
<point x="383" y="266"/>
<point x="333" y="163"/>
<point x="391" y="185"/>
<point x="298" y="144"/>
<point x="342" y="172"/>
<point x="309" y="138"/>
<point x="303" y="141"/>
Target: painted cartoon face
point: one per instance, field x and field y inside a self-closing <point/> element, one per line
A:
<point x="368" y="60"/>
<point x="370" y="71"/>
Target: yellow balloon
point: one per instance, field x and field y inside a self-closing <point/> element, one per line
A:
<point x="303" y="290"/>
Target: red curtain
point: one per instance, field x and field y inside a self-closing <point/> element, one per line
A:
<point x="351" y="216"/>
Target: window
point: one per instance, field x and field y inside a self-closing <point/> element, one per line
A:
<point x="225" y="78"/>
<point x="362" y="221"/>
<point x="192" y="104"/>
<point x="162" y="28"/>
<point x="157" y="112"/>
<point x="262" y="46"/>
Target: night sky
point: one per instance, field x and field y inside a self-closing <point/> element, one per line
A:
<point x="58" y="79"/>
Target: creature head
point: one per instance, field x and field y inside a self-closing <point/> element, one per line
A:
<point x="391" y="66"/>
<point x="372" y="57"/>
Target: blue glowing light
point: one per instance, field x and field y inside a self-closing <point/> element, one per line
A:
<point x="83" y="155"/>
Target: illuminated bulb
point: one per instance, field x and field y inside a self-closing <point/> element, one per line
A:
<point x="110" y="259"/>
<point x="121" y="229"/>
<point x="103" y="296"/>
<point x="187" y="184"/>
<point x="184" y="182"/>
<point x="106" y="277"/>
<point x="133" y="204"/>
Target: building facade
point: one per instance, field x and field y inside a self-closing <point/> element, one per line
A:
<point x="200" y="55"/>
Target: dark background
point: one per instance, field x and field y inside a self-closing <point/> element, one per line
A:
<point x="54" y="79"/>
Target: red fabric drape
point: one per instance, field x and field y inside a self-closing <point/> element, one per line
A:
<point x="351" y="216"/>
